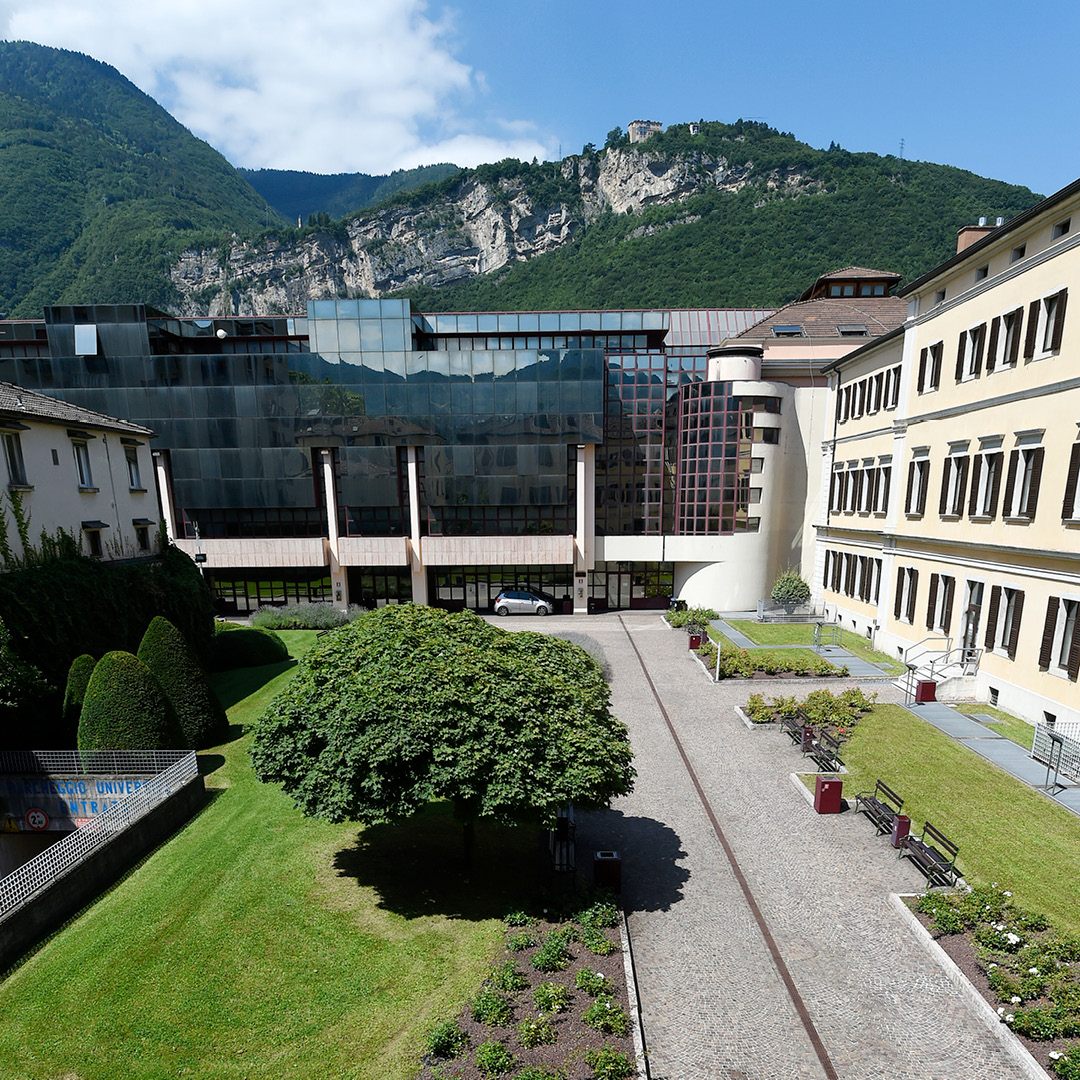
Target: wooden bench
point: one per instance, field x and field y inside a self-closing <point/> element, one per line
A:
<point x="933" y="853"/>
<point x="825" y="750"/>
<point x="792" y="727"/>
<point x="880" y="805"/>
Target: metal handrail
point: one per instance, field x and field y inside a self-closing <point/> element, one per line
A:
<point x="40" y="871"/>
<point x="967" y="656"/>
<point x="930" y="637"/>
<point x="88" y="762"/>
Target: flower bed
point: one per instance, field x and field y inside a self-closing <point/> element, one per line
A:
<point x="699" y="616"/>
<point x="1024" y="967"/>
<point x="820" y="708"/>
<point x="554" y="1008"/>
<point x="764" y="663"/>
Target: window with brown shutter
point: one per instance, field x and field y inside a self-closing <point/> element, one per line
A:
<point x="1010" y="482"/>
<point x="976" y="473"/>
<point x="924" y="484"/>
<point x="1070" y="510"/>
<point x="1013" y="351"/>
<point x="992" y="617"/>
<point x="1033" y="328"/>
<point x="922" y="369"/>
<point x="960" y="366"/>
<point x="1033" y="477"/>
<point x="1046" y="649"/>
<point x="943" y="499"/>
<point x="1014" y="626"/>
<point x="947" y="604"/>
<point x="991" y="351"/>
<point x="913" y="585"/>
<point x="898" y="598"/>
<point x="980" y="341"/>
<point x="1059" y="320"/>
<point x="931" y="602"/>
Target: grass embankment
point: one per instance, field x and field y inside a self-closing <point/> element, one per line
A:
<point x="1005" y="724"/>
<point x="1005" y="831"/>
<point x="803" y="634"/>
<point x="258" y="943"/>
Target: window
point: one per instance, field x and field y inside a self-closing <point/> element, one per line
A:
<point x="131" y="455"/>
<point x="954" y="478"/>
<point x="939" y="296"/>
<point x="872" y="289"/>
<point x="876" y="393"/>
<point x="982" y="272"/>
<point x="1004" y="347"/>
<point x="1022" y="483"/>
<point x="1017" y="253"/>
<point x="930" y="367"/>
<point x="969" y="353"/>
<point x="1060" y="651"/>
<point x="142" y="537"/>
<point x="1046" y="324"/>
<point x="918" y="481"/>
<point x="1070" y="506"/>
<point x="892" y="387"/>
<point x="853" y="330"/>
<point x="939" y="602"/>
<point x="13" y="455"/>
<point x="985" y="484"/>
<point x="93" y="542"/>
<point x="907" y="588"/>
<point x="841" y="289"/>
<point x="882" y="480"/>
<point x="1003" y="620"/>
<point x="82" y="464"/>
<point x="787" y="331"/>
<point x="1061" y="229"/>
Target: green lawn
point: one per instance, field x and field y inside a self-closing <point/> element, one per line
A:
<point x="258" y="943"/>
<point x="1011" y="727"/>
<point x="803" y="634"/>
<point x="1005" y="831"/>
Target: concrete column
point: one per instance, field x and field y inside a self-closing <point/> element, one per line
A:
<point x="161" y="479"/>
<point x="339" y="580"/>
<point x="584" y="539"/>
<point x="417" y="571"/>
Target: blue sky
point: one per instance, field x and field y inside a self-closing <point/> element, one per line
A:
<point x="373" y="85"/>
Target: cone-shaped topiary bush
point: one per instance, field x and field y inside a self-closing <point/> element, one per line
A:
<point x="79" y="673"/>
<point x="126" y="709"/>
<point x="246" y="648"/>
<point x="165" y="651"/>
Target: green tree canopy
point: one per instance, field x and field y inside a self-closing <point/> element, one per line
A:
<point x="410" y="704"/>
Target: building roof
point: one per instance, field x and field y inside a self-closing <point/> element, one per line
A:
<point x="850" y="273"/>
<point x="822" y="318"/>
<point x="19" y="404"/>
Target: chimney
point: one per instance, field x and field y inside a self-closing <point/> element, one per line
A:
<point x="971" y="234"/>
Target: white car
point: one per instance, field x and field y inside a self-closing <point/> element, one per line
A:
<point x="523" y="602"/>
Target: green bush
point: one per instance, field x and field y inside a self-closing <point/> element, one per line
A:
<point x="551" y="997"/>
<point x="79" y="673"/>
<point x="538" y="1032"/>
<point x="592" y="982"/>
<point x="538" y="1072"/>
<point x="701" y="616"/>
<point x="126" y="709"/>
<point x="602" y="915"/>
<point x="790" y="588"/>
<point x="446" y="1040"/>
<point x="305" y="617"/>
<point x="607" y="1016"/>
<point x="22" y="685"/>
<point x="167" y="654"/>
<point x="608" y="1063"/>
<point x="521" y="941"/>
<point x="244" y="647"/>
<point x="597" y="942"/>
<point x="553" y="955"/>
<point x="507" y="977"/>
<point x="490" y="1007"/>
<point x="493" y="1059"/>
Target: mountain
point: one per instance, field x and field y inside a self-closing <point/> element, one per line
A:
<point x="736" y="215"/>
<point x="301" y="196"/>
<point x="100" y="187"/>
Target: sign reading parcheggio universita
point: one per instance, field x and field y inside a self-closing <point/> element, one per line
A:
<point x="61" y="803"/>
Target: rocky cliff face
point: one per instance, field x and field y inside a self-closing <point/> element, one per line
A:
<point x="475" y="228"/>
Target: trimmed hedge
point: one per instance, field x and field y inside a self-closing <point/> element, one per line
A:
<point x="165" y="651"/>
<point x="126" y="709"/>
<point x="82" y="667"/>
<point x="246" y="647"/>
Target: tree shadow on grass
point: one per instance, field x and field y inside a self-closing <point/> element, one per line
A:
<point x="235" y="685"/>
<point x="417" y="867"/>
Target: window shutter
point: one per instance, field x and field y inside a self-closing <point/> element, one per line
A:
<point x="1069" y="501"/>
<point x="1046" y="650"/>
<point x="961" y="484"/>
<point x="1010" y="482"/>
<point x="825" y="572"/>
<point x="837" y="566"/>
<point x="973" y="499"/>
<point x="936" y="352"/>
<point x="992" y="616"/>
<point x="943" y="500"/>
<point x="1074" y="654"/>
<point x="1014" y="352"/>
<point x="991" y="352"/>
<point x="922" y="370"/>
<point x="995" y="486"/>
<point x="1014" y="628"/>
<point x="931" y="600"/>
<point x="950" y="586"/>
<point x="1059" y="323"/>
<point x="914" y="577"/>
<point x="832" y="494"/>
<point x="980" y="341"/>
<point x="924" y="484"/>
<point x="1032" y="330"/>
<point x="960" y="355"/>
<point x="898" y="599"/>
<point x="1036" y="479"/>
<point x="910" y="485"/>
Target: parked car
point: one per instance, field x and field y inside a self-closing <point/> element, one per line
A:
<point x="523" y="602"/>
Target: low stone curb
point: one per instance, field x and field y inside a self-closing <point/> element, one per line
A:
<point x="633" y="1000"/>
<point x="749" y="724"/>
<point x="979" y="1005"/>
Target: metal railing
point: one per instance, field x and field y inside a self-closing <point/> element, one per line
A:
<point x="1057" y="749"/>
<point x="79" y="763"/>
<point x="44" y="868"/>
<point x="827" y="633"/>
<point x="964" y="657"/>
<point x="913" y="659"/>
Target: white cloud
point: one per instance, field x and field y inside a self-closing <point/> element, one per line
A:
<point x="369" y="86"/>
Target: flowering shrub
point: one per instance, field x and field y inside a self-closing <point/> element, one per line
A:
<point x="446" y="1039"/>
<point x="609" y="1064"/>
<point x="551" y="997"/>
<point x="744" y="663"/>
<point x="490" y="1007"/>
<point x="702" y="616"/>
<point x="607" y="1016"/>
<point x="535" y="1032"/>
<point x="592" y="982"/>
<point x="493" y="1059"/>
<point x="507" y="977"/>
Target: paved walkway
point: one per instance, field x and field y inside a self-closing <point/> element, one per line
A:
<point x="726" y="957"/>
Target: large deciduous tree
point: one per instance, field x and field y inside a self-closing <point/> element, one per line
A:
<point x="410" y="704"/>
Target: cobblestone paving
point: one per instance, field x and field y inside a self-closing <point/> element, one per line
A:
<point x="714" y="1005"/>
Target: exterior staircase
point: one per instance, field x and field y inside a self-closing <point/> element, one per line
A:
<point x="951" y="668"/>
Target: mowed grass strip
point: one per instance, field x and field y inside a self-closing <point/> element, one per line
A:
<point x="1006" y="832"/>
<point x="1005" y="724"/>
<point x="803" y="634"/>
<point x="259" y="943"/>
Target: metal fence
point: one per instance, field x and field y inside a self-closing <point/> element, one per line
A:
<point x="80" y="763"/>
<point x="44" y="868"/>
<point x="1044" y="748"/>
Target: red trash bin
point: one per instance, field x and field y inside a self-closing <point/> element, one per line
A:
<point x="695" y="641"/>
<point x="827" y="794"/>
<point x="607" y="870"/>
<point x="926" y="690"/>
<point x="901" y="826"/>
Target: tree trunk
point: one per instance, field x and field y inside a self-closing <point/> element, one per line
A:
<point x="468" y="839"/>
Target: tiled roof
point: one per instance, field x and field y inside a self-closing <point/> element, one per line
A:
<point x="17" y="403"/>
<point x="858" y="273"/>
<point x="820" y="318"/>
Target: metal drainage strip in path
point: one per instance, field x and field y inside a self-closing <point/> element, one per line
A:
<point x="740" y="877"/>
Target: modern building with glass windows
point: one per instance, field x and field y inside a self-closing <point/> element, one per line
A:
<point x="368" y="453"/>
